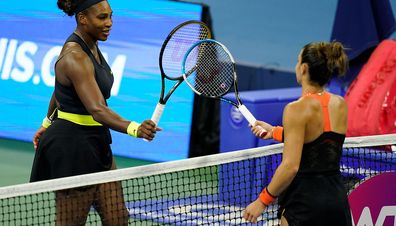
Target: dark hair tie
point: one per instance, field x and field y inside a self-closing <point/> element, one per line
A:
<point x="85" y="5"/>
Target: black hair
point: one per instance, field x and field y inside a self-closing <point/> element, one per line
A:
<point x="68" y="6"/>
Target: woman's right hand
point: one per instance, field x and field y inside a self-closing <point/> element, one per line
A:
<point x="37" y="136"/>
<point x="259" y="126"/>
<point x="147" y="130"/>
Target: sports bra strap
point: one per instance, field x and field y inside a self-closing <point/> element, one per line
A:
<point x="324" y="99"/>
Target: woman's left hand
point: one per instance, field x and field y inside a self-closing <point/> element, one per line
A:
<point x="254" y="210"/>
<point x="37" y="136"/>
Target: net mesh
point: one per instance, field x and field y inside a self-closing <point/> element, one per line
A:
<point x="209" y="190"/>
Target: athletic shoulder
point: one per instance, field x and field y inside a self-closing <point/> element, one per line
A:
<point x="74" y="61"/>
<point x="72" y="56"/>
<point x="300" y="104"/>
<point x="296" y="115"/>
<point x="73" y="50"/>
<point x="338" y="100"/>
<point x="297" y="109"/>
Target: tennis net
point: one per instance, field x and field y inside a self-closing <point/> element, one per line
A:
<point x="209" y="190"/>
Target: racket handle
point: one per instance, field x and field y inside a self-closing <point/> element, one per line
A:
<point x="250" y="118"/>
<point x="246" y="113"/>
<point x="159" y="109"/>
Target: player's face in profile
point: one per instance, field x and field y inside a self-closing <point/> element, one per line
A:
<point x="100" y="20"/>
<point x="298" y="68"/>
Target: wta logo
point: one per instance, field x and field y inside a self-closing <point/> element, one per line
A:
<point x="373" y="203"/>
<point x="26" y="61"/>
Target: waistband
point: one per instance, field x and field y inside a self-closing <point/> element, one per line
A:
<point x="318" y="173"/>
<point x="84" y="120"/>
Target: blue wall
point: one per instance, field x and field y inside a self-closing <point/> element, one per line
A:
<point x="270" y="33"/>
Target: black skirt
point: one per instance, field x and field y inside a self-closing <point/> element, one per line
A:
<point x="315" y="200"/>
<point x="69" y="149"/>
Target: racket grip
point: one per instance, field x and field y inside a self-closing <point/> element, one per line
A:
<point x="250" y="118"/>
<point x="246" y="113"/>
<point x="159" y="109"/>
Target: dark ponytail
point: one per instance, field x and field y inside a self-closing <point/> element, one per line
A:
<point x="324" y="59"/>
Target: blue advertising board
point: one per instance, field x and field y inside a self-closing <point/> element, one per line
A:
<point x="31" y="37"/>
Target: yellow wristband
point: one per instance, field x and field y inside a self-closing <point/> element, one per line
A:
<point x="46" y="122"/>
<point x="132" y="129"/>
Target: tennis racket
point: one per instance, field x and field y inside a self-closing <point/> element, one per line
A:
<point x="209" y="70"/>
<point x="171" y="55"/>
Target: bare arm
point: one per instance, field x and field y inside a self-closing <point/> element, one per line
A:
<point x="51" y="106"/>
<point x="294" y="119"/>
<point x="40" y="131"/>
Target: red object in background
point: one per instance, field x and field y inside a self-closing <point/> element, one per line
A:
<point x="388" y="114"/>
<point x="371" y="98"/>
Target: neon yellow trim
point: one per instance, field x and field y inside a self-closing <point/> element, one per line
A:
<point x="46" y="122"/>
<point x="84" y="120"/>
<point x="132" y="129"/>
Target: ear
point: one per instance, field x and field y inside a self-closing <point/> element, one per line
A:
<point x="82" y="18"/>
<point x="304" y="68"/>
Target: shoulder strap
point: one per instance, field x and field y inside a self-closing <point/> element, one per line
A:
<point x="324" y="100"/>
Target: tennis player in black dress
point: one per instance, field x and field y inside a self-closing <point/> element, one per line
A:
<point x="74" y="138"/>
<point x="308" y="180"/>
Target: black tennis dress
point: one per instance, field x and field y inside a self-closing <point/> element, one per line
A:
<point x="317" y="196"/>
<point x="67" y="148"/>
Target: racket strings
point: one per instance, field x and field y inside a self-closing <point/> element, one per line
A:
<point x="214" y="74"/>
<point x="180" y="41"/>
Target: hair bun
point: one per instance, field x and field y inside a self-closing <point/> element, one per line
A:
<point x="67" y="6"/>
<point x="336" y="57"/>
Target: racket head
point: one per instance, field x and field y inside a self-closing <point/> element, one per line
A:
<point x="209" y="69"/>
<point x="177" y="43"/>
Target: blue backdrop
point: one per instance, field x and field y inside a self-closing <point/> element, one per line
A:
<point x="30" y="41"/>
